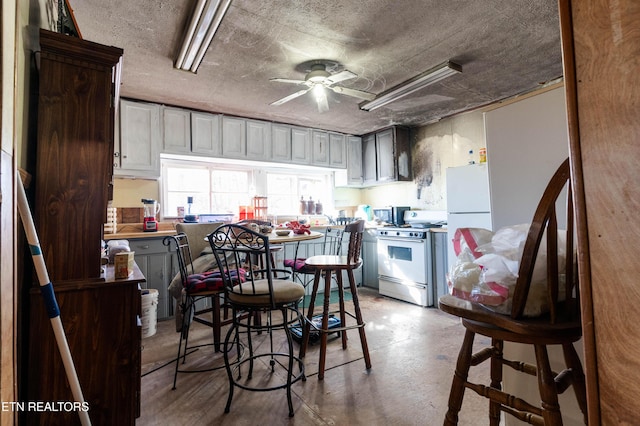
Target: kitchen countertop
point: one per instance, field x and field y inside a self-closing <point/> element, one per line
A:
<point x="134" y="230"/>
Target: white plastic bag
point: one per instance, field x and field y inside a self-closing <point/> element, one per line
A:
<point x="489" y="275"/>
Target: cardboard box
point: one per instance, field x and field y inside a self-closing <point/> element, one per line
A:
<point x="123" y="264"/>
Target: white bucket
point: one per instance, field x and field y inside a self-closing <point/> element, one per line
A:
<point x="149" y="313"/>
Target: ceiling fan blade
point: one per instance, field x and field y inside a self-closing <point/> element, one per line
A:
<point x="341" y="76"/>
<point x="353" y="92"/>
<point x="291" y="96"/>
<point x="286" y="80"/>
<point x="323" y="103"/>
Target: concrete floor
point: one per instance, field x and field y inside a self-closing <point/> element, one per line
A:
<point x="413" y="352"/>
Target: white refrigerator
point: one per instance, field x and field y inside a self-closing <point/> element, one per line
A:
<point x="468" y="201"/>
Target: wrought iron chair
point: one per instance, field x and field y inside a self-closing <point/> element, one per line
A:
<point x="236" y="249"/>
<point x="196" y="287"/>
<point x="560" y="326"/>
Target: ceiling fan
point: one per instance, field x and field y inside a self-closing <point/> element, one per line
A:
<point x="319" y="80"/>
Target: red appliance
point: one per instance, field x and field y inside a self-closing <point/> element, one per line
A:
<point x="151" y="209"/>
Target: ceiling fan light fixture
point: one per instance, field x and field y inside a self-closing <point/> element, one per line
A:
<point x="318" y="92"/>
<point x="427" y="78"/>
<point x="204" y="23"/>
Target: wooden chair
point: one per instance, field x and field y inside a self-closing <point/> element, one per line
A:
<point x="195" y="287"/>
<point x="329" y="265"/>
<point x="331" y="244"/>
<point x="560" y="326"/>
<point x="249" y="290"/>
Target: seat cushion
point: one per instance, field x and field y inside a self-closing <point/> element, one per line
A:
<point x="298" y="265"/>
<point x="211" y="281"/>
<point x="284" y="291"/>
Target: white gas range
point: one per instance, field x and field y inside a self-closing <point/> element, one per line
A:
<point x="405" y="257"/>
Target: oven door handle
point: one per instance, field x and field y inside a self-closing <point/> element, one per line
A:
<point x="398" y="239"/>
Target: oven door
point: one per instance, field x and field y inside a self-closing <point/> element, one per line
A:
<point x="404" y="259"/>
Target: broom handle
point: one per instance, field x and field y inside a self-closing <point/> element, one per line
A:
<point x="46" y="288"/>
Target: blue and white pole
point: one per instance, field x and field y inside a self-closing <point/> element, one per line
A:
<point x="49" y="297"/>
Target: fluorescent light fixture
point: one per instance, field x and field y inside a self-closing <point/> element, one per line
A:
<point x="203" y="26"/>
<point x="426" y="78"/>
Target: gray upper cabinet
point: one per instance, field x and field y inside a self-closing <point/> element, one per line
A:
<point x="300" y="145"/>
<point x="369" y="173"/>
<point x="206" y="134"/>
<point x="354" y="161"/>
<point x="145" y="130"/>
<point x="258" y="140"/>
<point x="389" y="150"/>
<point x="320" y="148"/>
<point x="385" y="163"/>
<point x="234" y="137"/>
<point x="139" y="147"/>
<point x="337" y="150"/>
<point x="176" y="131"/>
<point x="281" y="143"/>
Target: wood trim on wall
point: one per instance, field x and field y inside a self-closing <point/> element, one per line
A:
<point x="601" y="46"/>
<point x="590" y="361"/>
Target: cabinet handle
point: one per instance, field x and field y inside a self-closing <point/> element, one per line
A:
<point x="116" y="154"/>
<point x="145" y="247"/>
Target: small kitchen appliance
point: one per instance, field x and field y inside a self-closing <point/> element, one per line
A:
<point x="151" y="209"/>
<point x="391" y="215"/>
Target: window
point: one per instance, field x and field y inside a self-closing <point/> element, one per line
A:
<point x="220" y="188"/>
<point x="285" y="190"/>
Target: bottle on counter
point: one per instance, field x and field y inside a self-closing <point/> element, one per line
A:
<point x="318" y="207"/>
<point x="311" y="206"/>
<point x="303" y="206"/>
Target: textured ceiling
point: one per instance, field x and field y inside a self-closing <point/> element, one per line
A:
<point x="505" y="47"/>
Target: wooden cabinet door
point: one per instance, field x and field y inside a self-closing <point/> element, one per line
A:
<point x="300" y="145"/>
<point x="354" y="160"/>
<point x="320" y="148"/>
<point x="234" y="137"/>
<point x="206" y="137"/>
<point x="369" y="159"/>
<point x="385" y="156"/>
<point x="74" y="152"/>
<point x="139" y="139"/>
<point x="176" y="131"/>
<point x="258" y="140"/>
<point x="281" y="143"/>
<point x="337" y="150"/>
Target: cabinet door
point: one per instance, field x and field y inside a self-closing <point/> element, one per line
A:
<point x="369" y="158"/>
<point x="386" y="163"/>
<point x="206" y="138"/>
<point x="300" y="145"/>
<point x="354" y="160"/>
<point x="281" y="143"/>
<point x="154" y="260"/>
<point x="337" y="150"/>
<point x="320" y="148"/>
<point x="176" y="127"/>
<point x="258" y="140"/>
<point x="139" y="139"/>
<point x="234" y="137"/>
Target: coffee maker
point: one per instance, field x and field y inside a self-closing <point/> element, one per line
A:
<point x="151" y="209"/>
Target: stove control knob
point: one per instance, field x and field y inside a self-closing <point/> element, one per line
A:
<point x="398" y="233"/>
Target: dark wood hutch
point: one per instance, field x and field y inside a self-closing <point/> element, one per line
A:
<point x="77" y="101"/>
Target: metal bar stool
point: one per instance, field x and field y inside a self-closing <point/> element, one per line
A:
<point x="328" y="265"/>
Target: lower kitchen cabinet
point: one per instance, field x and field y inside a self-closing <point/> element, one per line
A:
<point x="159" y="265"/>
<point x="101" y="321"/>
<point x="439" y="252"/>
<point x="370" y="259"/>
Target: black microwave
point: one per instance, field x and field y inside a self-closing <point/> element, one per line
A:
<point x="391" y="215"/>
